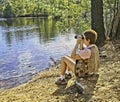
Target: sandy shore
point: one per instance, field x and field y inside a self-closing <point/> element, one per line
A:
<point x="104" y="88"/>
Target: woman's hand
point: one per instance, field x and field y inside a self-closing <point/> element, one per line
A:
<point x="78" y="40"/>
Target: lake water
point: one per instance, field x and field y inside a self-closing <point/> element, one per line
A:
<point x="27" y="44"/>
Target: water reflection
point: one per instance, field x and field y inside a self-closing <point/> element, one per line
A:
<point x="28" y="43"/>
<point x="24" y="27"/>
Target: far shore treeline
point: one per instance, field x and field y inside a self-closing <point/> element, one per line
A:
<point x="78" y="14"/>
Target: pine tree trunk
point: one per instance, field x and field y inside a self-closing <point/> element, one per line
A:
<point x="115" y="26"/>
<point x="118" y="31"/>
<point x="97" y="19"/>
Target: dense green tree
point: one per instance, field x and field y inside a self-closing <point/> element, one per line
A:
<point x="8" y="11"/>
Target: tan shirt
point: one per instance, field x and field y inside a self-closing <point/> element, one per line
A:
<point x="92" y="57"/>
<point x="93" y="61"/>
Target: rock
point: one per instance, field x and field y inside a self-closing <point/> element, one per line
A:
<point x="107" y="50"/>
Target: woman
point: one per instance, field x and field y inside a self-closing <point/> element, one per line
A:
<point x="88" y="52"/>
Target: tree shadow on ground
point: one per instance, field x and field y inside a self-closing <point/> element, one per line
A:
<point x="73" y="94"/>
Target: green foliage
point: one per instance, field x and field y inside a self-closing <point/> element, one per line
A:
<point x="72" y="13"/>
<point x="8" y="11"/>
<point x="75" y="10"/>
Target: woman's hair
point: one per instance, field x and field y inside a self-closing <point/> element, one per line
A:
<point x="91" y="35"/>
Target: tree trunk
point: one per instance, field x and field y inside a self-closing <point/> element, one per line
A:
<point x="97" y="19"/>
<point x="115" y="26"/>
<point x="118" y="32"/>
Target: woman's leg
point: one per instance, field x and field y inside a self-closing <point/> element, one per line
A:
<point x="67" y="63"/>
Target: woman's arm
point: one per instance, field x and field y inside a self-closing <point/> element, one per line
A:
<point x="78" y="42"/>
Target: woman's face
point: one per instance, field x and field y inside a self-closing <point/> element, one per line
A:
<point x="86" y="42"/>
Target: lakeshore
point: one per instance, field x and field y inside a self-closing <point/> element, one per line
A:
<point x="42" y="88"/>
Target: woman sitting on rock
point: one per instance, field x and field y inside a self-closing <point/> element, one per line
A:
<point x="88" y="53"/>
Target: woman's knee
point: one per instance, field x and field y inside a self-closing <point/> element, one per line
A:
<point x="63" y="58"/>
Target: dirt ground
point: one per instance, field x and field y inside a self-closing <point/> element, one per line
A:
<point x="104" y="87"/>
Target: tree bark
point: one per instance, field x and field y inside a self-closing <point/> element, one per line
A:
<point x="115" y="26"/>
<point x="97" y="19"/>
<point x="118" y="31"/>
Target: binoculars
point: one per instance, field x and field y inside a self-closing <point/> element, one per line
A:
<point x="79" y="36"/>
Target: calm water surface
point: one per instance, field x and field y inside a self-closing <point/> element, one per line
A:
<point x="26" y="45"/>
